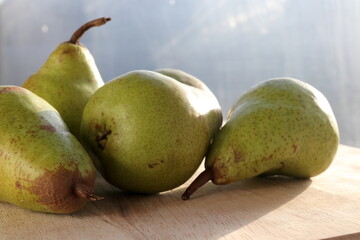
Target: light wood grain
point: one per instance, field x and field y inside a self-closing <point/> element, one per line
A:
<point x="327" y="206"/>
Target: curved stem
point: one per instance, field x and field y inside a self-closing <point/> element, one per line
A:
<point x="94" y="23"/>
<point x="203" y="178"/>
<point x="85" y="192"/>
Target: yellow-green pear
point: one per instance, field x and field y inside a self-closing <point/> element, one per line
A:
<point x="149" y="131"/>
<point x="43" y="167"/>
<point x="279" y="127"/>
<point x="68" y="78"/>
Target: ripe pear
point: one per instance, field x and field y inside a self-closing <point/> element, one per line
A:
<point x="42" y="165"/>
<point x="279" y="127"/>
<point x="149" y="132"/>
<point x="68" y="78"/>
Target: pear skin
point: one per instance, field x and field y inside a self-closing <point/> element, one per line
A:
<point x="279" y="127"/>
<point x="185" y="78"/>
<point x="148" y="131"/>
<point x="68" y="78"/>
<point x="213" y="116"/>
<point x="42" y="165"/>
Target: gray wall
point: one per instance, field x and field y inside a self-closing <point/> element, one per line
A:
<point x="229" y="44"/>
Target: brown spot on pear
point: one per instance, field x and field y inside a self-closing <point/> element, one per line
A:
<point x="48" y="128"/>
<point x="62" y="190"/>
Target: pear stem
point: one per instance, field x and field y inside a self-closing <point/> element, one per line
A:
<point x="85" y="192"/>
<point x="94" y="23"/>
<point x="203" y="178"/>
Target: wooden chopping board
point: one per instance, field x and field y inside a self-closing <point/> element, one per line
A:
<point x="326" y="206"/>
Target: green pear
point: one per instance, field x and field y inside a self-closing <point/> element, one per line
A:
<point x="149" y="132"/>
<point x="279" y="127"/>
<point x="68" y="78"/>
<point x="42" y="165"/>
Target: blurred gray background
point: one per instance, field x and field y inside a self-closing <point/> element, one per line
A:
<point x="229" y="44"/>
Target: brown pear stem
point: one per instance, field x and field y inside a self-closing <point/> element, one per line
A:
<point x="94" y="23"/>
<point x="203" y="178"/>
<point x="85" y="192"/>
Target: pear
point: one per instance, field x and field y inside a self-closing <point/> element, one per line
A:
<point x="149" y="132"/>
<point x="279" y="127"/>
<point x="68" y="78"/>
<point x="42" y="165"/>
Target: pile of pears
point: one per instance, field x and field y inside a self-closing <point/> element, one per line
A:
<point x="148" y="132"/>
